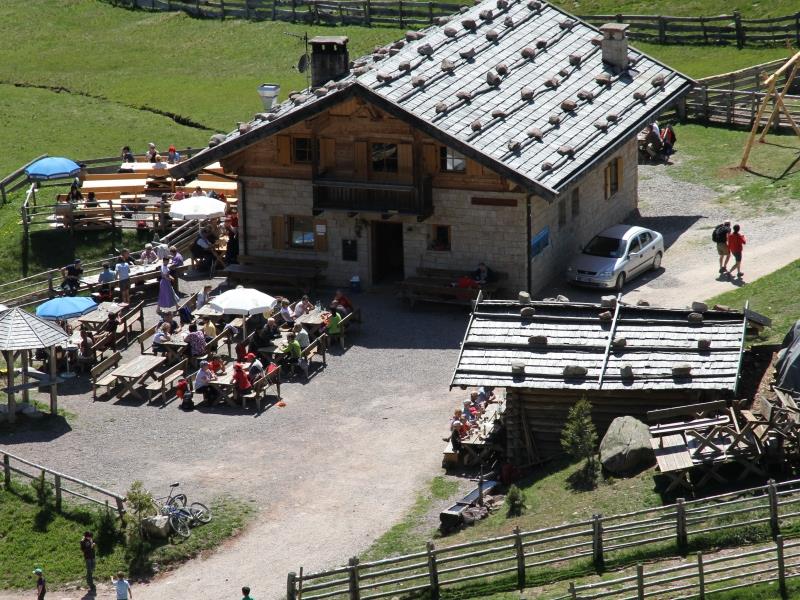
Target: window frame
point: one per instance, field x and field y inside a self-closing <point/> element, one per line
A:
<point x="290" y="229"/>
<point x="613" y="177"/>
<point x="446" y="156"/>
<point x="434" y="238"/>
<point x="309" y="150"/>
<point x="384" y="161"/>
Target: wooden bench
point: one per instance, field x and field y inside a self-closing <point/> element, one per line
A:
<point x="132" y="315"/>
<point x="297" y="274"/>
<point x="103" y="374"/>
<point x="260" y="387"/>
<point x="165" y="380"/>
<point x="145" y="340"/>
<point x="345" y="324"/>
<point x="440" y="285"/>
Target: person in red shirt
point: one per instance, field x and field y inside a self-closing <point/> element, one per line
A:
<point x="736" y="242"/>
<point x="344" y="302"/>
<point x="241" y="381"/>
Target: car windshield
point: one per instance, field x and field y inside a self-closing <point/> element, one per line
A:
<point x="605" y="246"/>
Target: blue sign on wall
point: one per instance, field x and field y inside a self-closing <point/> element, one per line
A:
<point x="540" y="241"/>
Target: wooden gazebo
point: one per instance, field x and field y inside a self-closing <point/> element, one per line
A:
<point x="20" y="334"/>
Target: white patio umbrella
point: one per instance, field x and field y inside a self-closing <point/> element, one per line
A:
<point x="197" y="207"/>
<point x="243" y="301"/>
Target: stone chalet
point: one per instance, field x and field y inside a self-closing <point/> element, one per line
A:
<point x="504" y="134"/>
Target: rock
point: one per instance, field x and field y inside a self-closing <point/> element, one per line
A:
<point x="626" y="372"/>
<point x="538" y="340"/>
<point x="619" y="343"/>
<point x="642" y="303"/>
<point x="157" y="526"/>
<point x="528" y="311"/>
<point x="474" y="513"/>
<point x="700" y="307"/>
<point x="574" y="371"/>
<point x="682" y="371"/>
<point x="562" y="298"/>
<point x="695" y="317"/>
<point x="524" y="298"/>
<point x="518" y="367"/>
<point x="704" y="343"/>
<point x="606" y="315"/>
<point x="608" y="302"/>
<point x="29" y="411"/>
<point x="722" y="307"/>
<point x="626" y="446"/>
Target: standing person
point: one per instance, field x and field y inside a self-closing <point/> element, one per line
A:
<point x="41" y="584"/>
<point x="175" y="262"/>
<point x="736" y="242"/>
<point x="720" y="237"/>
<point x="105" y="279"/>
<point x="166" y="293"/>
<point x="123" y="271"/>
<point x="87" y="547"/>
<point x="122" y="586"/>
<point x="246" y="593"/>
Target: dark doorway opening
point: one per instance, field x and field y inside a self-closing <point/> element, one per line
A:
<point x="387" y="252"/>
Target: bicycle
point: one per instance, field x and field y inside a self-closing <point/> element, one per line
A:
<point x="181" y="518"/>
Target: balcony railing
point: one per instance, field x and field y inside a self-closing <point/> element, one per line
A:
<point x="365" y="196"/>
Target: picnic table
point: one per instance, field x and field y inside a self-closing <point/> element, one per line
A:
<point x="313" y="321"/>
<point x="98" y="316"/>
<point x="137" y="273"/>
<point x="136" y="372"/>
<point x="175" y="347"/>
<point x="224" y="383"/>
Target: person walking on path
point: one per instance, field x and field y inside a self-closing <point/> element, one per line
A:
<point x="736" y="242"/>
<point x="720" y="237"/>
<point x="87" y="547"/>
<point x="122" y="587"/>
<point x="41" y="585"/>
<point x="246" y="593"/>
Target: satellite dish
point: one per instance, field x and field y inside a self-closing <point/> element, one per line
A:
<point x="302" y="64"/>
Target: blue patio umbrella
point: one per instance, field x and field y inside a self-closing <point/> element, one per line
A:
<point x="67" y="307"/>
<point x="52" y="167"/>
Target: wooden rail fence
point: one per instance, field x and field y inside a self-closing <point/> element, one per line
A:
<point x="539" y="555"/>
<point x="663" y="29"/>
<point x="15" y="464"/>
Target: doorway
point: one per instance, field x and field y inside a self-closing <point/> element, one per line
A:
<point x="387" y="252"/>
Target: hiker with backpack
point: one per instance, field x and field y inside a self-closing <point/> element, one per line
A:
<point x="720" y="237"/>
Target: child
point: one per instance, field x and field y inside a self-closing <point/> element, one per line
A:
<point x="241" y="381"/>
<point x="122" y="587"/>
<point x="246" y="593"/>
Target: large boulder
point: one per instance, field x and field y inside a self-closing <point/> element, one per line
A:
<point x="157" y="526"/>
<point x="626" y="446"/>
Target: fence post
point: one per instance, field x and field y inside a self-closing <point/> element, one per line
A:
<point x="640" y="581"/>
<point x="433" y="572"/>
<point x="368" y="13"/>
<point x="797" y="28"/>
<point x="737" y="22"/>
<point x="701" y="577"/>
<point x="401" y="13"/>
<point x="430" y="11"/>
<point x="294" y="11"/>
<point x="355" y="593"/>
<point x="597" y="540"/>
<point x="6" y="470"/>
<point x="680" y="525"/>
<point x="773" y="508"/>
<point x="520" y="558"/>
<point x="662" y="30"/>
<point x="222" y="10"/>
<point x="57" y="484"/>
<point x="781" y="566"/>
<point x="291" y="589"/>
<point x="572" y="592"/>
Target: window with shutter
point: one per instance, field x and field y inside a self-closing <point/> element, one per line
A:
<point x="320" y="235"/>
<point x="284" y="150"/>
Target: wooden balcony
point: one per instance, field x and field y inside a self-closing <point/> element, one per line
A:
<point x="365" y="196"/>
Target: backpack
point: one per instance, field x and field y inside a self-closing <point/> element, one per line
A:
<point x="719" y="235"/>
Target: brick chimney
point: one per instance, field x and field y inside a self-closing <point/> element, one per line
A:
<point x="329" y="59"/>
<point x="615" y="45"/>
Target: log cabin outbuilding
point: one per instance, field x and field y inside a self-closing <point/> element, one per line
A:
<point x="626" y="360"/>
<point x="505" y="134"/>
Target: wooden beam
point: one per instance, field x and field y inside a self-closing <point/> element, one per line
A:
<point x="778" y="104"/>
<point x="754" y="130"/>
<point x="12" y="401"/>
<point x="53" y="384"/>
<point x="25" y="365"/>
<point x="791" y="62"/>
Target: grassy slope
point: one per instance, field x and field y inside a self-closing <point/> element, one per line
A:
<point x="748" y="8"/>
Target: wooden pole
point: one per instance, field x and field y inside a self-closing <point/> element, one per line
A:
<point x="781" y="566"/>
<point x="53" y="384"/>
<point x="355" y="592"/>
<point x="291" y="588"/>
<point x="640" y="581"/>
<point x="754" y="130"/>
<point x="520" y="558"/>
<point x="597" y="541"/>
<point x="26" y="398"/>
<point x="57" y="484"/>
<point x="701" y="577"/>
<point x="777" y="106"/>
<point x="7" y="470"/>
<point x="680" y="525"/>
<point x="12" y="401"/>
<point x="433" y="572"/>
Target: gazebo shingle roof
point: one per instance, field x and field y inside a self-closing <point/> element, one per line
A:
<point x="20" y="330"/>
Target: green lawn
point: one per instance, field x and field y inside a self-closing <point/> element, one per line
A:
<point x="748" y="8"/>
<point x="712" y="156"/>
<point x="32" y="537"/>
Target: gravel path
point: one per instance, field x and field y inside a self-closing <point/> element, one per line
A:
<point x="330" y="472"/>
<point x="685" y="214"/>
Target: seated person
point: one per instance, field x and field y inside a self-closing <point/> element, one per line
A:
<point x="74" y="196"/>
<point x="668" y="139"/>
<point x="111" y="327"/>
<point x="85" y="352"/>
<point x="72" y="277"/>
<point x="198" y="191"/>
<point x="256" y="369"/>
<point x="173" y="156"/>
<point x="203" y="297"/>
<point x="171" y="321"/>
<point x="196" y="341"/>
<point x="209" y="330"/>
<point x="343" y="303"/>
<point x="127" y="155"/>
<point x="486" y="396"/>
<point x="482" y="274"/>
<point x="202" y="383"/>
<point x="303" y="307"/>
<point x="215" y="363"/>
<point x="301" y="335"/>
<point x="653" y="145"/>
<point x="91" y="201"/>
<point x="105" y="279"/>
<point x="286" y="313"/>
<point x="152" y="152"/>
<point x="162" y="335"/>
<point x="333" y="320"/>
<point x="455" y="430"/>
<point x="149" y="256"/>
<point x="264" y="336"/>
<point x="179" y="195"/>
<point x="294" y="354"/>
<point x="241" y="382"/>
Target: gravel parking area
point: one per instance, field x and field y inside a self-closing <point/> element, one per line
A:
<point x="329" y="472"/>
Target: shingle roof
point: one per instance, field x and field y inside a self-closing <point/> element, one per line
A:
<point x="20" y="330"/>
<point x="511" y="83"/>
<point x="656" y="340"/>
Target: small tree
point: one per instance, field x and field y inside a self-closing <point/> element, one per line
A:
<point x="579" y="436"/>
<point x="515" y="502"/>
<point x="140" y="505"/>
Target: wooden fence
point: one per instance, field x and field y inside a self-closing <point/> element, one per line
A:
<point x="663" y="29"/>
<point x="15" y="464"/>
<point x="538" y="556"/>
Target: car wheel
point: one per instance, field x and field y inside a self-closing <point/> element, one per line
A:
<point x="620" y="282"/>
<point x="657" y="261"/>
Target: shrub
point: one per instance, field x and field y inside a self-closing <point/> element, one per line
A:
<point x="579" y="438"/>
<point x="515" y="502"/>
<point x="140" y="505"/>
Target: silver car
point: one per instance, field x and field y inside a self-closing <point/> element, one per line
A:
<point x="615" y="256"/>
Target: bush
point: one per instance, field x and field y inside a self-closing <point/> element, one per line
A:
<point x="140" y="505"/>
<point x="515" y="502"/>
<point x="579" y="440"/>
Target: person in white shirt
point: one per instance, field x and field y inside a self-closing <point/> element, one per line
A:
<point x="301" y="335"/>
<point x="198" y="191"/>
<point x="161" y="336"/>
<point x="122" y="587"/>
<point x="302" y="307"/>
<point x="149" y="256"/>
<point x="203" y="297"/>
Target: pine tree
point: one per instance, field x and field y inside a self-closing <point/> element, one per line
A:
<point x="579" y="436"/>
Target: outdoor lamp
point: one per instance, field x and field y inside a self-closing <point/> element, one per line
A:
<point x="269" y="94"/>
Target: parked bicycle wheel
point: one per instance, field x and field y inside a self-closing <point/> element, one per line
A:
<point x="178" y="500"/>
<point x="200" y="512"/>
<point x="180" y="525"/>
